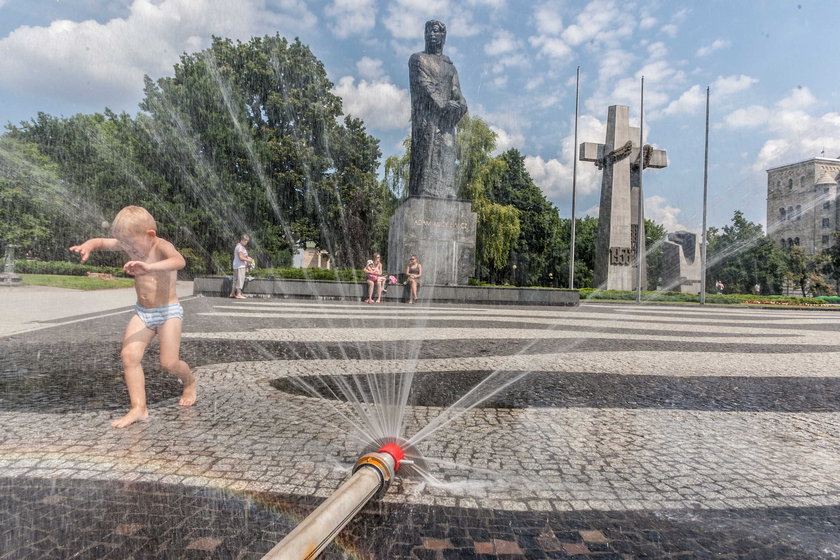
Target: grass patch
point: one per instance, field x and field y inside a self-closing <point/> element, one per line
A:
<point x="75" y="282"/>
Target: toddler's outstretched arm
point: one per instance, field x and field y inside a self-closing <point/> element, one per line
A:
<point x="95" y="244"/>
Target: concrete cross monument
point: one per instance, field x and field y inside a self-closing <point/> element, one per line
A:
<point x="619" y="239"/>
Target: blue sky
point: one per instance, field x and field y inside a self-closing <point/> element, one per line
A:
<point x="771" y="66"/>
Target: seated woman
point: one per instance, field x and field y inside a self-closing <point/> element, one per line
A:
<point x="414" y="271"/>
<point x="373" y="271"/>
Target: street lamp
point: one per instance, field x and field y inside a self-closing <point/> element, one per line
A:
<point x="514" y="275"/>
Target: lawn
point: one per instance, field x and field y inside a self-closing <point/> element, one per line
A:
<point x="75" y="282"/>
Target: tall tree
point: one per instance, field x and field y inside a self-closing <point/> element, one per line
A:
<point x="741" y="256"/>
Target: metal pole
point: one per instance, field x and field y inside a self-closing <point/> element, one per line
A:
<point x="640" y="231"/>
<point x="705" y="199"/>
<point x="574" y="183"/>
<point x="372" y="474"/>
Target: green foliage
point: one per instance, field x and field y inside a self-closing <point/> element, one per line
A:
<point x="242" y="138"/>
<point x="338" y="274"/>
<point x="831" y="262"/>
<point x="741" y="256"/>
<point x="63" y="268"/>
<point x="539" y="248"/>
<point x="679" y="297"/>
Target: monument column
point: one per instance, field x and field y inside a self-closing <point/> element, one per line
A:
<point x="433" y="223"/>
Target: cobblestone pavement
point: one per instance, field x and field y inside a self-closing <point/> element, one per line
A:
<point x="605" y="431"/>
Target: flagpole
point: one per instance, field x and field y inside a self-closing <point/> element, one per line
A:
<point x="705" y="199"/>
<point x="574" y="183"/>
<point x="640" y="231"/>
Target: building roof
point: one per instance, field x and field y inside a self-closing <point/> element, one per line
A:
<point x="835" y="161"/>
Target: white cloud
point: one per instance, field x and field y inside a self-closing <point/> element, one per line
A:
<point x="351" y="17"/>
<point x="754" y="115"/>
<point x="658" y="210"/>
<point x="772" y="152"/>
<point x="503" y="41"/>
<point x="794" y="134"/>
<point x="534" y="83"/>
<point x="800" y="98"/>
<point x="670" y="30"/>
<point x="552" y="177"/>
<point x="380" y="104"/>
<point x="727" y="85"/>
<point x="548" y="19"/>
<point x="370" y="68"/>
<point x="506" y="140"/>
<point x="601" y="21"/>
<point x="552" y="47"/>
<point x="96" y="62"/>
<point x="406" y="19"/>
<point x="716" y="45"/>
<point x="657" y="50"/>
<point x="647" y="22"/>
<point x="688" y="102"/>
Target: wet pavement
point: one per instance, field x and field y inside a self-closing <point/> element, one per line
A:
<point x="625" y="432"/>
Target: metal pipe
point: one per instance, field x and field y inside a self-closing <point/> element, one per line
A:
<point x="372" y="475"/>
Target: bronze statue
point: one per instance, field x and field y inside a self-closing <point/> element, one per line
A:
<point x="436" y="107"/>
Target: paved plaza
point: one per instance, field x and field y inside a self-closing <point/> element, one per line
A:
<point x="598" y="432"/>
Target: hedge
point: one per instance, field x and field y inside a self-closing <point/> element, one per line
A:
<point x="339" y="274"/>
<point x="64" y="268"/>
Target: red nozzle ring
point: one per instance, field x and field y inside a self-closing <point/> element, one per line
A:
<point x="394" y="451"/>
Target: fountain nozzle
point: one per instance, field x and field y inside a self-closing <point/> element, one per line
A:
<point x="394" y="451"/>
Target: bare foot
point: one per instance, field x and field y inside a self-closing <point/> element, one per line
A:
<point x="189" y="395"/>
<point x="240" y="297"/>
<point x="134" y="415"/>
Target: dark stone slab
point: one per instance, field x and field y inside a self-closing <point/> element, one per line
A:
<point x="218" y="286"/>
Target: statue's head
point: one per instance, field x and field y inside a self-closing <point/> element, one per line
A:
<point x="435" y="36"/>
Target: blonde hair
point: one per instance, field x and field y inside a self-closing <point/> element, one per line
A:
<point x="133" y="220"/>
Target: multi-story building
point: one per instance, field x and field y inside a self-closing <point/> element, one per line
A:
<point x="802" y="204"/>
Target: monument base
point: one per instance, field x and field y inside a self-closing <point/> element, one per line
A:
<point x="10" y="279"/>
<point x="441" y="232"/>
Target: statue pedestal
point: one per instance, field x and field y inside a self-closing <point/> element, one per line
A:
<point x="10" y="279"/>
<point x="441" y="232"/>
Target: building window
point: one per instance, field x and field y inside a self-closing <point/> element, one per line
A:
<point x="796" y="241"/>
<point x="790" y="184"/>
<point x="782" y="214"/>
<point x="825" y="239"/>
<point x="790" y="242"/>
<point x="826" y="222"/>
<point x="798" y="211"/>
<point x="826" y="189"/>
<point x="790" y="213"/>
<point x="827" y="205"/>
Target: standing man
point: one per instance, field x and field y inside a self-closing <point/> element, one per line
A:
<point x="240" y="267"/>
<point x="436" y="107"/>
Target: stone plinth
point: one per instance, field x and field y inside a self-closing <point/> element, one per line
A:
<point x="441" y="232"/>
<point x="330" y="290"/>
<point x="10" y="279"/>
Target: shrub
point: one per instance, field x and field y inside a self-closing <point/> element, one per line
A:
<point x="64" y="268"/>
<point x="338" y="274"/>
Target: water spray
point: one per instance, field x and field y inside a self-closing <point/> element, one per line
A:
<point x="372" y="475"/>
